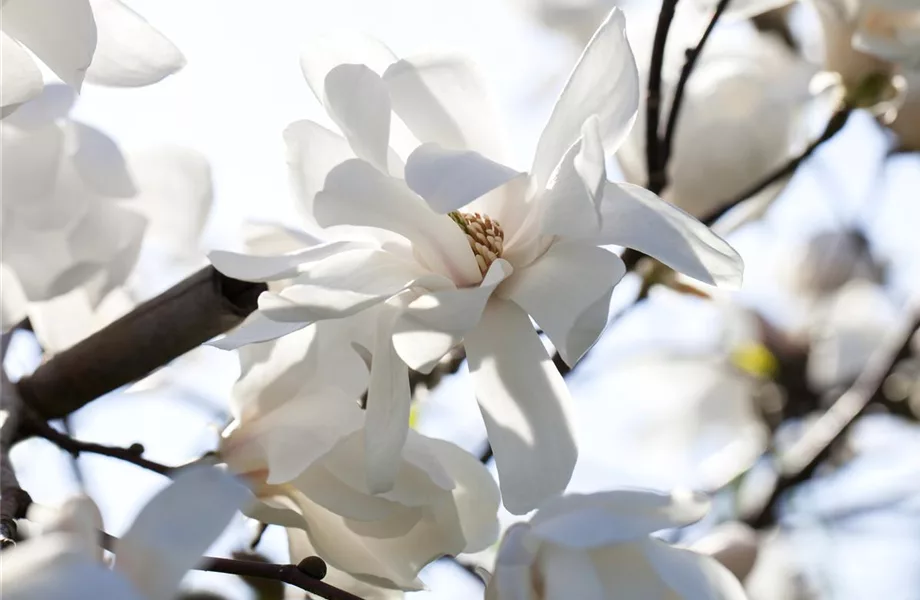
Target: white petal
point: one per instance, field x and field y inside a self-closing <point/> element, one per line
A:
<point x="54" y="102"/>
<point x="571" y="206"/>
<point x="442" y="100"/>
<point x="524" y="404"/>
<point x="357" y="101"/>
<point x="322" y="486"/>
<point x="21" y="78"/>
<point x="595" y="520"/>
<point x="388" y="402"/>
<point x="62" y="33"/>
<point x="563" y="285"/>
<point x="324" y="52"/>
<point x="434" y="323"/>
<point x="569" y="573"/>
<point x="250" y="267"/>
<point x="626" y="572"/>
<point x="513" y="579"/>
<point x="692" y="575"/>
<point x="346" y="283"/>
<point x="312" y="151"/>
<point x="256" y="328"/>
<point x="174" y="529"/>
<point x="100" y="162"/>
<point x="358" y="194"/>
<point x="289" y="438"/>
<point x="31" y="162"/>
<point x="129" y="51"/>
<point x="634" y="217"/>
<point x="475" y="494"/>
<point x="605" y="83"/>
<point x="450" y="179"/>
<point x="175" y="193"/>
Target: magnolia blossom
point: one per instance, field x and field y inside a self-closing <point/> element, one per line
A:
<point x="167" y="538"/>
<point x="828" y="260"/>
<point x="741" y="119"/>
<point x="466" y="250"/>
<point x="890" y="29"/>
<point x="75" y="211"/>
<point x="101" y="41"/>
<point x="301" y="447"/>
<point x="744" y="8"/>
<point x="598" y="546"/>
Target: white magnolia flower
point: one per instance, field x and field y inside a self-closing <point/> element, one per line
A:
<point x="890" y="29"/>
<point x="466" y="250"/>
<point x="742" y="118"/>
<point x="167" y="539"/>
<point x="75" y="210"/>
<point x="302" y="449"/>
<point x="598" y="546"/>
<point x="828" y="260"/>
<point x="101" y="41"/>
<point x="744" y="8"/>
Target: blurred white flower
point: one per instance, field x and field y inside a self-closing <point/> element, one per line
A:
<point x="466" y="250"/>
<point x="742" y="118"/>
<point x="75" y="210"/>
<point x="167" y="538"/>
<point x="890" y="29"/>
<point x="744" y="8"/>
<point x="598" y="546"/>
<point x="828" y="260"/>
<point x="306" y="462"/>
<point x="846" y="330"/>
<point x="101" y="41"/>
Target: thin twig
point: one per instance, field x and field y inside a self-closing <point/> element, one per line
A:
<point x="657" y="178"/>
<point x="306" y="575"/>
<point x="693" y="55"/>
<point x="801" y="460"/>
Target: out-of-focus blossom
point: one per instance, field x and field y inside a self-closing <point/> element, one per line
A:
<point x="907" y="122"/>
<point x="742" y="118"/>
<point x="465" y="249"/>
<point x="598" y="546"/>
<point x="744" y="8"/>
<point x="101" y="41"/>
<point x="890" y="29"/>
<point x="75" y="211"/>
<point x="830" y="259"/>
<point x="306" y="461"/>
<point x="847" y="329"/>
<point x="577" y="19"/>
<point x="733" y="544"/>
<point x="167" y="539"/>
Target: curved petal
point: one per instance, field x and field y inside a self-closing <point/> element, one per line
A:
<point x="634" y="217"/>
<point x="434" y="323"/>
<point x="571" y="205"/>
<point x="524" y="404"/>
<point x="175" y="193"/>
<point x="692" y="575"/>
<point x="604" y="518"/>
<point x="323" y="487"/>
<point x="62" y="33"/>
<point x="324" y="52"/>
<point x="174" y="529"/>
<point x="358" y="102"/>
<point x="563" y="285"/>
<point x="256" y="328"/>
<point x="100" y="163"/>
<point x="517" y="555"/>
<point x="31" y="163"/>
<point x="388" y="402"/>
<point x="358" y="194"/>
<point x="346" y="283"/>
<point x="475" y="494"/>
<point x="569" y="572"/>
<point x="250" y="267"/>
<point x="129" y="51"/>
<point x="21" y="78"/>
<point x="450" y="179"/>
<point x="442" y="100"/>
<point x="54" y="102"/>
<point x="312" y="151"/>
<point x="605" y="83"/>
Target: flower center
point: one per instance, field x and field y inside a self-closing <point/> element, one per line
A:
<point x="485" y="236"/>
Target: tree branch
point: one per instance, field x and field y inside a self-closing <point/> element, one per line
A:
<point x="306" y="575"/>
<point x="803" y="458"/>
<point x="185" y="316"/>
<point x="14" y="501"/>
<point x="657" y="178"/>
<point x="693" y="55"/>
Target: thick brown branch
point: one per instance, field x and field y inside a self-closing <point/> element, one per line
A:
<point x="190" y="313"/>
<point x="799" y="462"/>
<point x="14" y="501"/>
